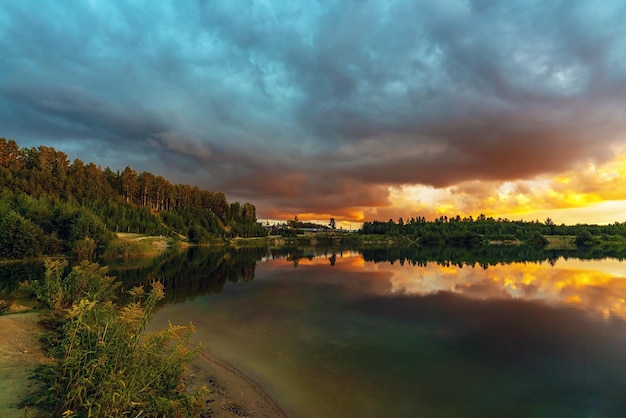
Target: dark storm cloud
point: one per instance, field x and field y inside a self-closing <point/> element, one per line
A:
<point x="317" y="106"/>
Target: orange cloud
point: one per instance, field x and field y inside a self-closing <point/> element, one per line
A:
<point x="591" y="193"/>
<point x="587" y="193"/>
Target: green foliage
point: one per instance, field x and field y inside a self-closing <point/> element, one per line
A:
<point x="247" y="229"/>
<point x="19" y="237"/>
<point x="49" y="206"/>
<point x="175" y="221"/>
<point x="198" y="234"/>
<point x="58" y="291"/>
<point x="584" y="238"/>
<point x="288" y="233"/>
<point x="457" y="231"/>
<point x="85" y="249"/>
<point x="537" y="239"/>
<point x="124" y="248"/>
<point x="104" y="364"/>
<point x="85" y="224"/>
<point x="430" y="238"/>
<point x="13" y="273"/>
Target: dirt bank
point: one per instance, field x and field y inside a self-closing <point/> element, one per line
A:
<point x="19" y="354"/>
<point x="232" y="394"/>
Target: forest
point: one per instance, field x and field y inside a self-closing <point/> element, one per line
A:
<point x="467" y="231"/>
<point x="49" y="205"/>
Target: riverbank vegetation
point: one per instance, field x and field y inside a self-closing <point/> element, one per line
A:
<point x="103" y="364"/>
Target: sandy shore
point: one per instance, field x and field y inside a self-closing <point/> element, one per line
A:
<point x="19" y="354"/>
<point x="231" y="393"/>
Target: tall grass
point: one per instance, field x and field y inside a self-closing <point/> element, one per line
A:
<point x="105" y="366"/>
<point x="122" y="248"/>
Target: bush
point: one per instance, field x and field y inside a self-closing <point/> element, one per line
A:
<point x="120" y="248"/>
<point x="537" y="240"/>
<point x="584" y="238"/>
<point x="198" y="234"/>
<point x="85" y="249"/>
<point x="59" y="292"/>
<point x="289" y="233"/>
<point x="104" y="364"/>
<point x="19" y="237"/>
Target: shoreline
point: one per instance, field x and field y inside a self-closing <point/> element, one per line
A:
<point x="232" y="393"/>
<point x="20" y="353"/>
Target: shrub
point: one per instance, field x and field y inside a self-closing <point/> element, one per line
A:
<point x="105" y="365"/>
<point x="537" y="239"/>
<point x="198" y="234"/>
<point x="85" y="249"/>
<point x="59" y="292"/>
<point x="585" y="238"/>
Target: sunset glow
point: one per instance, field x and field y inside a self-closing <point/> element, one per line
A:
<point x="591" y="194"/>
<point x="331" y="109"/>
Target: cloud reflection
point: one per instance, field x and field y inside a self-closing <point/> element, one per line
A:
<point x="595" y="286"/>
<point x="590" y="288"/>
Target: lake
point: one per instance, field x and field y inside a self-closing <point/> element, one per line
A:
<point x="410" y="332"/>
<point x="362" y="334"/>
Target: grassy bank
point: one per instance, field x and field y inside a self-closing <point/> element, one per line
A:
<point x="557" y="242"/>
<point x="136" y="245"/>
<point x="102" y="363"/>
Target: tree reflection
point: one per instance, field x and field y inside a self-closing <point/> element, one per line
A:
<point x="485" y="256"/>
<point x="202" y="270"/>
<point x="199" y="271"/>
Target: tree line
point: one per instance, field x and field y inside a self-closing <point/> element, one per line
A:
<point x="49" y="205"/>
<point x="468" y="231"/>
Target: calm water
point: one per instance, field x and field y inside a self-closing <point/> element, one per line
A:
<point x="344" y="337"/>
<point x="394" y="334"/>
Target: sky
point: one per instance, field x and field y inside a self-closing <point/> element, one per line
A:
<point x="356" y="110"/>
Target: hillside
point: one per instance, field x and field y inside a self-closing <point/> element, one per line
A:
<point x="51" y="206"/>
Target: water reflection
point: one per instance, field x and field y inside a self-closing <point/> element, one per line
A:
<point x="197" y="271"/>
<point x="587" y="286"/>
<point x="405" y="332"/>
<point x="343" y="336"/>
<point x="488" y="256"/>
<point x="598" y="286"/>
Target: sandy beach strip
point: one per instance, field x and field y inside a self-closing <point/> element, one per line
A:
<point x="20" y="352"/>
<point x="231" y="392"/>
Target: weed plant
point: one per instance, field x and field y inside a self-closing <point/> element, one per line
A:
<point x="104" y="364"/>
